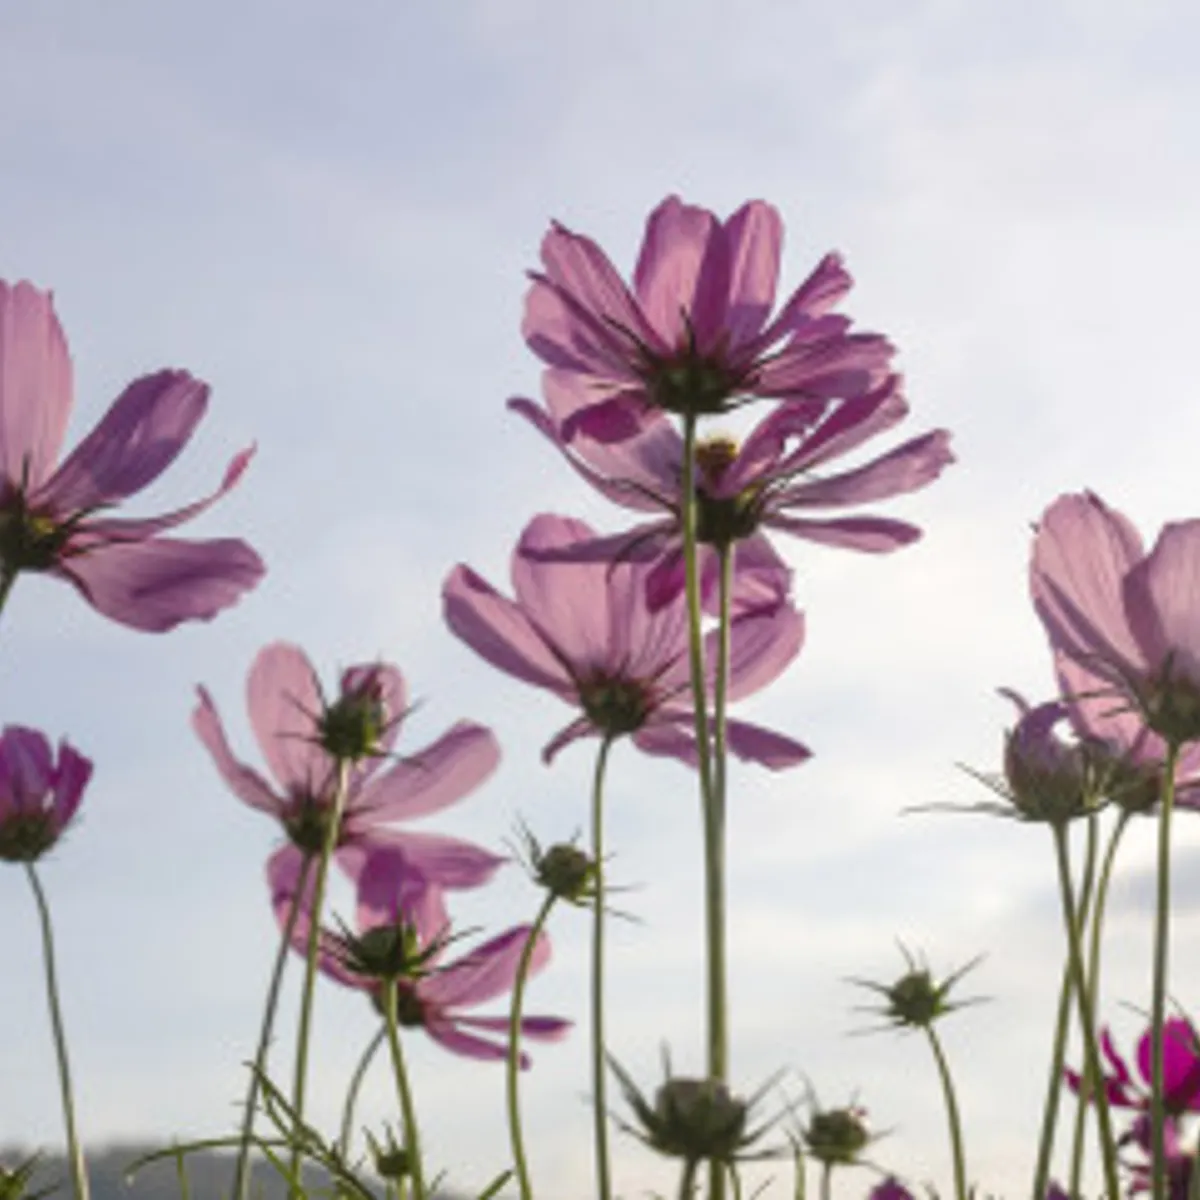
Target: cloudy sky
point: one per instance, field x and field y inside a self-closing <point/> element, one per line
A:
<point x="326" y="211"/>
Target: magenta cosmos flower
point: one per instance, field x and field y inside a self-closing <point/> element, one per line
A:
<point x="38" y="796"/>
<point x="1123" y="623"/>
<point x="1181" y="1070"/>
<point x="289" y="716"/>
<point x="694" y="335"/>
<point x="50" y="517"/>
<point x="401" y="918"/>
<point x="584" y="632"/>
<point x="770" y="482"/>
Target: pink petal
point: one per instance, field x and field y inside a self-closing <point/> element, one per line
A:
<point x="389" y="891"/>
<point x="761" y="579"/>
<point x="136" y="440"/>
<point x="433" y="778"/>
<point x="775" y="751"/>
<point x="1181" y="1065"/>
<point x="760" y="453"/>
<point x="35" y="385"/>
<point x="873" y="535"/>
<point x="500" y="631"/>
<point x="285" y="703"/>
<point x="487" y="972"/>
<point x="245" y="783"/>
<point x="448" y="1034"/>
<point x="762" y="644"/>
<point x="29" y="764"/>
<point x="616" y="419"/>
<point x="446" y="861"/>
<point x="1159" y="596"/>
<point x="842" y="366"/>
<point x="155" y="585"/>
<point x="582" y="727"/>
<point x="669" y="737"/>
<point x="755" y="237"/>
<point x="74" y="772"/>
<point x="826" y="285"/>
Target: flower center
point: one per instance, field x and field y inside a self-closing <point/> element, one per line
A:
<point x="722" y="520"/>
<point x="26" y="836"/>
<point x="29" y="541"/>
<point x="690" y="383"/>
<point x="615" y="705"/>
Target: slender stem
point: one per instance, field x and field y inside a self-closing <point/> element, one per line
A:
<point x="687" y="1180"/>
<point x="241" y="1179"/>
<point x="412" y="1138"/>
<point x="7" y="579"/>
<point x="827" y="1181"/>
<point x="74" y="1150"/>
<point x="956" y="1138"/>
<point x="356" y="1082"/>
<point x="1087" y="1084"/>
<point x="1087" y="1026"/>
<point x="1162" y="917"/>
<point x="332" y="831"/>
<point x="599" y="1081"/>
<point x="514" y="1048"/>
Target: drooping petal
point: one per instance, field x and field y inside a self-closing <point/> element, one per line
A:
<point x="761" y="579"/>
<point x="669" y="736"/>
<point x="35" y="385"/>
<point x="775" y="751"/>
<point x="447" y="1032"/>
<point x="284" y="700"/>
<point x="621" y="415"/>
<point x="431" y="779"/>
<point x="135" y="441"/>
<point x="1159" y="596"/>
<point x="581" y="727"/>
<point x="500" y="631"/>
<point x="158" y="584"/>
<point x="761" y="645"/>
<point x="826" y="285"/>
<point x="486" y="972"/>
<point x="284" y="870"/>
<point x="872" y="535"/>
<point x="243" y="781"/>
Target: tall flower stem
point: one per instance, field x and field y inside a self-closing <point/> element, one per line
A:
<point x="1162" y="918"/>
<point x="74" y="1150"/>
<point x="412" y="1137"/>
<point x="1096" y="927"/>
<point x="356" y="1082"/>
<point x="827" y="1181"/>
<point x="7" y="579"/>
<point x="314" y="941"/>
<point x="599" y="1082"/>
<point x="1071" y="920"/>
<point x="687" y="1179"/>
<point x="956" y="1137"/>
<point x="241" y="1179"/>
<point x="514" y="1049"/>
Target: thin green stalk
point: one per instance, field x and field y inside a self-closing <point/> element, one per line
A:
<point x="332" y="831"/>
<point x="412" y="1138"/>
<point x="74" y="1150"/>
<point x="1162" y="917"/>
<point x="241" y="1178"/>
<point x="599" y="1082"/>
<point x="514" y="1048"/>
<point x="1096" y="919"/>
<point x="687" y="1180"/>
<point x="7" y="579"/>
<point x="956" y="1138"/>
<point x="356" y="1082"/>
<point x="1087" y="1025"/>
<point x="827" y="1181"/>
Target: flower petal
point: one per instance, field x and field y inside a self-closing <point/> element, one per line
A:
<point x="755" y="238"/>
<point x="1159" y="596"/>
<point x="445" y="861"/>
<point x="872" y="535"/>
<point x="285" y="703"/>
<point x="487" y="971"/>
<point x="244" y="782"/>
<point x="775" y="751"/>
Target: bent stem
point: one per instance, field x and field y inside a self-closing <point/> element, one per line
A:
<point x="241" y="1179"/>
<point x="332" y="831"/>
<point x="356" y="1082"/>
<point x="1096" y="918"/>
<point x="412" y="1139"/>
<point x="599" y="1083"/>
<point x="514" y="1049"/>
<point x="74" y="1151"/>
<point x="1087" y="1026"/>
<point x="1162" y="917"/>
<point x="956" y="1138"/>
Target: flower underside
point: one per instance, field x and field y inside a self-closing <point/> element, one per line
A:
<point x="306" y="822"/>
<point x="29" y="541"/>
<point x="615" y="705"/>
<point x="25" y="837"/>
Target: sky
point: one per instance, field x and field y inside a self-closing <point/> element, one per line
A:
<point x="327" y="212"/>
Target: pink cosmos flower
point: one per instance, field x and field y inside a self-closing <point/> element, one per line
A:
<point x="288" y="714"/>
<point x="1181" y="1070"/>
<point x="400" y="912"/>
<point x="1123" y="623"/>
<point x="769" y="482"/>
<point x="584" y="632"/>
<point x="50" y="518"/>
<point x="38" y="797"/>
<point x="693" y="336"/>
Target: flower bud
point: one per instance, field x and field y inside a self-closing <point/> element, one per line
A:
<point x="698" y="1119"/>
<point x="1048" y="779"/>
<point x="837" y="1136"/>
<point x="352" y="727"/>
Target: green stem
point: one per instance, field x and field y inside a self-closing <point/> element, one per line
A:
<point x="826" y="1181"/>
<point x="599" y="1081"/>
<point x="241" y="1179"/>
<point x="956" y="1138"/>
<point x="1096" y="920"/>
<point x="412" y="1138"/>
<point x="1087" y="1026"/>
<point x="332" y="830"/>
<point x="514" y="1048"/>
<point x="356" y="1082"/>
<point x="74" y="1150"/>
<point x="1162" y="918"/>
<point x="687" y="1181"/>
<point x="7" y="579"/>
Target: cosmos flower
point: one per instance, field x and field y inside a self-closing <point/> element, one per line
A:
<point x="584" y="632"/>
<point x="403" y="933"/>
<point x="291" y="721"/>
<point x="51" y="517"/>
<point x="694" y="335"/>
<point x="38" y="797"/>
<point x="769" y="482"/>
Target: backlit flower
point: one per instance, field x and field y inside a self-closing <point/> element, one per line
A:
<point x="584" y="632"/>
<point x="51" y="518"/>
<point x="694" y="335"/>
<point x="38" y="796"/>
